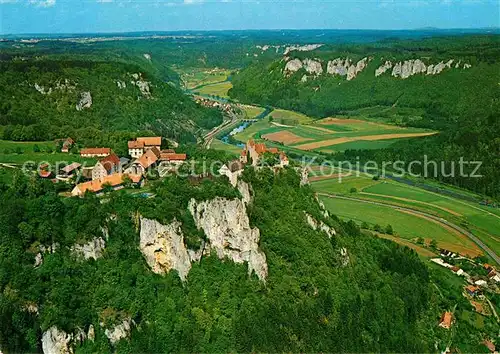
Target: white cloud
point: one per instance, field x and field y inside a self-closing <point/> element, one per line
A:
<point x="190" y="2"/>
<point x="43" y="3"/>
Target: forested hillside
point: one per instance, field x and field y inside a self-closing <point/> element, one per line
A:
<point x="448" y="84"/>
<point x="350" y="293"/>
<point x="93" y="101"/>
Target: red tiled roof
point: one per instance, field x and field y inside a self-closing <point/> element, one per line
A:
<point x="174" y="157"/>
<point x="168" y="151"/>
<point x="155" y="151"/>
<point x="95" y="151"/>
<point x="71" y="167"/>
<point x="446" y="320"/>
<point x="113" y="180"/>
<point x="133" y="144"/>
<point x="489" y="344"/>
<point x="273" y="150"/>
<point x="147" y="159"/>
<point x="44" y="173"/>
<point x="150" y="141"/>
<point x="109" y="162"/>
<point x="471" y="288"/>
<point x="243" y="152"/>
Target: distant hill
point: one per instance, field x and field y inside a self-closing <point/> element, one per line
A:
<point x="449" y="84"/>
<point x="91" y="100"/>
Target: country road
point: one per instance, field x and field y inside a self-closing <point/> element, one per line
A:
<point x="211" y="134"/>
<point x="476" y="240"/>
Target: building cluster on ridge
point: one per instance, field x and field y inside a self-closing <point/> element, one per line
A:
<point x="114" y="171"/>
<point x="252" y="152"/>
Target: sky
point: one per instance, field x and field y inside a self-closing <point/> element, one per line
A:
<point x="91" y="16"/>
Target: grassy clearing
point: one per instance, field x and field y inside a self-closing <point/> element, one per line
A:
<point x="361" y="145"/>
<point x="344" y="185"/>
<point x="424" y="252"/>
<point x="282" y="116"/>
<point x="220" y="145"/>
<point x="219" y="89"/>
<point x="252" y="111"/>
<point x="406" y="226"/>
<point x="195" y="77"/>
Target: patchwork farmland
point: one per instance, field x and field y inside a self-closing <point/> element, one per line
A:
<point x="295" y="131"/>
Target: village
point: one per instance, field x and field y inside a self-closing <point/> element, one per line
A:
<point x="145" y="155"/>
<point x="482" y="280"/>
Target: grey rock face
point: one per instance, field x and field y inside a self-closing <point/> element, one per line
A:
<point x="320" y="225"/>
<point x="119" y="332"/>
<point x="293" y="66"/>
<point x="382" y="69"/>
<point x="227" y="227"/>
<point x="93" y="249"/>
<point x="85" y="101"/>
<point x="55" y="341"/>
<point x="163" y="247"/>
<point x="312" y="66"/>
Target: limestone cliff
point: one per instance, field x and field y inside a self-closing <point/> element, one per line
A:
<point x="407" y="68"/>
<point x="119" y="331"/>
<point x="320" y="225"/>
<point x="85" y="101"/>
<point x="227" y="227"/>
<point x="92" y="249"/>
<point x="163" y="247"/>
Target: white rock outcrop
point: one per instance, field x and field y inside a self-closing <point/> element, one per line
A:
<point x="344" y="257"/>
<point x="302" y="48"/>
<point x="383" y="68"/>
<point x="120" y="331"/>
<point x="55" y="341"/>
<point x="42" y="250"/>
<point x="147" y="56"/>
<point x="407" y="68"/>
<point x="293" y="65"/>
<point x="227" y="227"/>
<point x="121" y="84"/>
<point x="92" y="249"/>
<point x="144" y="86"/>
<point x="85" y="101"/>
<point x="244" y="189"/>
<point x="43" y="90"/>
<point x="312" y="66"/>
<point x="163" y="247"/>
<point x="345" y="67"/>
<point x="320" y="225"/>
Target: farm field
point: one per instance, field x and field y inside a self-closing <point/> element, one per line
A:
<point x="219" y="89"/>
<point x="220" y="145"/>
<point x="295" y="130"/>
<point x="252" y="111"/>
<point x="479" y="220"/>
<point x="406" y="226"/>
<point x="195" y="77"/>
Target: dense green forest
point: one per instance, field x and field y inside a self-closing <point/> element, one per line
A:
<point x="39" y="99"/>
<point x="380" y="300"/>
<point x="463" y="104"/>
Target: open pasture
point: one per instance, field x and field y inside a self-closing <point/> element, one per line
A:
<point x="285" y="117"/>
<point x="406" y="225"/>
<point x="341" y="140"/>
<point x="285" y="137"/>
<point x="219" y="89"/>
<point x="195" y="77"/>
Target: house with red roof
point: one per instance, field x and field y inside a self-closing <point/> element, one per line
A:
<point x="67" y="144"/>
<point x="147" y="160"/>
<point x="95" y="152"/>
<point x="137" y="147"/>
<point x="106" y="166"/>
<point x="256" y="150"/>
<point x="446" y="320"/>
<point x="115" y="181"/>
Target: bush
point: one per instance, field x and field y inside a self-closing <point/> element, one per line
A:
<point x="377" y="228"/>
<point x="353" y="190"/>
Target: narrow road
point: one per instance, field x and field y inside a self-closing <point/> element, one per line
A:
<point x="467" y="233"/>
<point x="211" y="134"/>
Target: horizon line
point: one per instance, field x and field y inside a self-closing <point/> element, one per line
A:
<point x="490" y="28"/>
